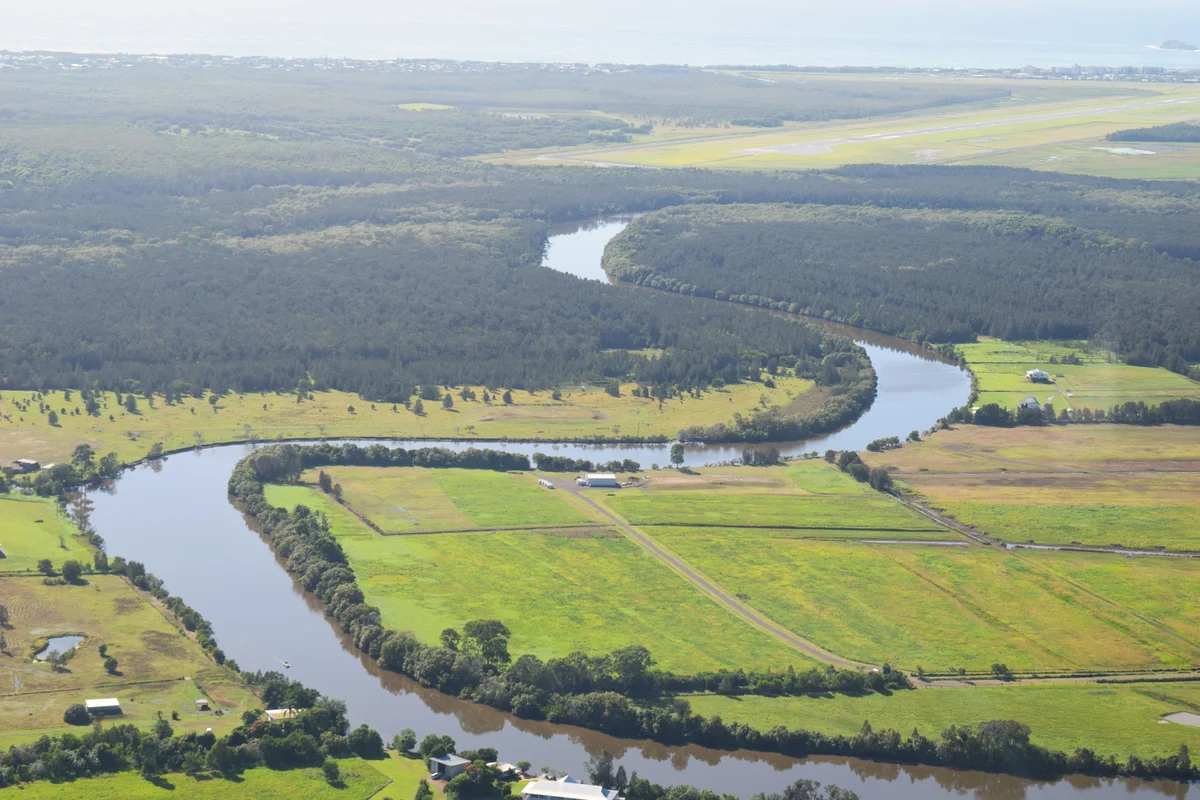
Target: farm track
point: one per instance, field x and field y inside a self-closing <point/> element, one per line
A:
<point x="713" y="589"/>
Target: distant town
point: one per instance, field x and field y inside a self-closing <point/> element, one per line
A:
<point x="10" y="59"/>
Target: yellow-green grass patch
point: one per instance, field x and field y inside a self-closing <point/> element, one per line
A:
<point x="581" y="414"/>
<point x="1110" y="719"/>
<point x="423" y="107"/>
<point x="159" y="668"/>
<point x="768" y="511"/>
<point x="359" y="781"/>
<point x="1137" y="525"/>
<point x="33" y="528"/>
<point x="416" y="499"/>
<point x="821" y="477"/>
<point x="938" y="608"/>
<point x="1099" y="448"/>
<point x="592" y="591"/>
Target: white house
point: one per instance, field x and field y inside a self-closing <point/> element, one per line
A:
<point x="1030" y="402"/>
<point x="1038" y="375"/>
<point x="443" y="768"/>
<point x="566" y="788"/>
<point x="602" y="480"/>
<point x="103" y="705"/>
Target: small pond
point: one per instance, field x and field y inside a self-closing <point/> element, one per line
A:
<point x="58" y="644"/>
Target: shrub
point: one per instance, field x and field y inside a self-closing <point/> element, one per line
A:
<point x="76" y="714"/>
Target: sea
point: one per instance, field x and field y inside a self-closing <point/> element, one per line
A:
<point x="908" y="33"/>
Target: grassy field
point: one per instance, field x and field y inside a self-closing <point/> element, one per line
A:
<point x="581" y="414"/>
<point x="1061" y="485"/>
<point x="403" y="500"/>
<point x="1100" y="382"/>
<point x="159" y="669"/>
<point x="360" y="780"/>
<point x="1119" y="719"/>
<point x="1174" y="161"/>
<point x="806" y="494"/>
<point x="978" y="135"/>
<point x="592" y="590"/>
<point x="939" y="608"/>
<point x="33" y="528"/>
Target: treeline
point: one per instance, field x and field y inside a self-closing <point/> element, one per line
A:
<point x="928" y="275"/>
<point x="1180" y="411"/>
<point x="848" y="378"/>
<point x="550" y="463"/>
<point x="1174" y="132"/>
<point x="617" y="693"/>
<point x="286" y="462"/>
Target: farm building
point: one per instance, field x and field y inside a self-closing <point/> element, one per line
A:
<point x="443" y="768"/>
<point x="602" y="479"/>
<point x="1029" y="402"/>
<point x="202" y="704"/>
<point x="103" y="705"/>
<point x="1038" y="375"/>
<point x="566" y="788"/>
<point x="23" y="465"/>
<point x="276" y="714"/>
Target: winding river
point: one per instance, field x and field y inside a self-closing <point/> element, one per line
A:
<point x="175" y="517"/>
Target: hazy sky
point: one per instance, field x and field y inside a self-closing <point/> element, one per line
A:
<point x="639" y="30"/>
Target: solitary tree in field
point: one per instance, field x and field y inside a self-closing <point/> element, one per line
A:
<point x="507" y="397"/>
<point x="52" y="418"/>
<point x="405" y="740"/>
<point x="45" y="567"/>
<point x="72" y="570"/>
<point x="447" y="402"/>
<point x="418" y="407"/>
<point x="677" y="454"/>
<point x="131" y="404"/>
<point x="3" y="616"/>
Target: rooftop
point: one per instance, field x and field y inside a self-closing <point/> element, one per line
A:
<point x="103" y="702"/>
<point x="449" y="760"/>
<point x="567" y="788"/>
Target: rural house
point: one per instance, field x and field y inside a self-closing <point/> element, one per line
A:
<point x="1030" y="402"/>
<point x="566" y="788"/>
<point x="1038" y="375"/>
<point x="443" y="768"/>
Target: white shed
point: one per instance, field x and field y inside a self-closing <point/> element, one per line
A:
<point x="602" y="479"/>
<point x="1038" y="375"/>
<point x="103" y="705"/>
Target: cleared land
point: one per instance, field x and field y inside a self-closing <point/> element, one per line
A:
<point x="591" y="590"/>
<point x="1118" y="719"/>
<point x="417" y="499"/>
<point x="1101" y="485"/>
<point x="33" y="528"/>
<point x="1100" y="382"/>
<point x="982" y="135"/>
<point x="812" y="495"/>
<point x="159" y="668"/>
<point x="581" y="414"/>
<point x="359" y="778"/>
<point x="938" y="608"/>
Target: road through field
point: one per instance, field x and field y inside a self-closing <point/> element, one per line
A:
<point x="712" y="589"/>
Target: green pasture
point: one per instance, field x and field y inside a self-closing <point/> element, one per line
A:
<point x="1097" y="383"/>
<point x="159" y="668"/>
<point x="1133" y="525"/>
<point x="1174" y="161"/>
<point x="749" y="536"/>
<point x="360" y="780"/>
<point x="593" y="591"/>
<point x="821" y="477"/>
<point x="1109" y="718"/>
<point x="874" y="512"/>
<point x="33" y="528"/>
<point x="406" y="499"/>
<point x="938" y="608"/>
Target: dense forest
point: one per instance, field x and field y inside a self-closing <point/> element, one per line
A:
<point x="154" y="236"/>
<point x="1174" y="132"/>
<point x="930" y="275"/>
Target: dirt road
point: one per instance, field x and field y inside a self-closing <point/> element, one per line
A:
<point x="709" y="587"/>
